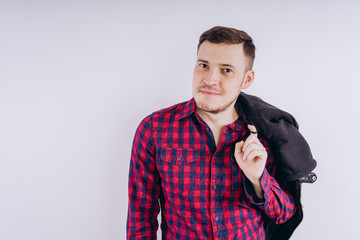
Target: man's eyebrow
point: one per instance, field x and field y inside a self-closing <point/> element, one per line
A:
<point x="201" y="60"/>
<point x="221" y="64"/>
<point x="227" y="65"/>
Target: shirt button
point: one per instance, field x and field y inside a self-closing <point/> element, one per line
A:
<point x="178" y="158"/>
<point x="216" y="218"/>
<point x="214" y="187"/>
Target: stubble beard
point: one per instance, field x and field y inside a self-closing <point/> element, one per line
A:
<point x="207" y="108"/>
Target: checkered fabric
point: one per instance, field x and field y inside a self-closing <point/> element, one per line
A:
<point x="202" y="192"/>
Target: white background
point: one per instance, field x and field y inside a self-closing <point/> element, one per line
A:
<point x="77" y="77"/>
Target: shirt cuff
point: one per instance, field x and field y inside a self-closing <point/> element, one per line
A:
<point x="265" y="182"/>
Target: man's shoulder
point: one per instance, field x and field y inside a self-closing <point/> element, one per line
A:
<point x="173" y="112"/>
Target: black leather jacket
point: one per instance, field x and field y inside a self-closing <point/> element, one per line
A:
<point x="293" y="158"/>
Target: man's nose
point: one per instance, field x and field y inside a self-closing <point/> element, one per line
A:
<point x="213" y="77"/>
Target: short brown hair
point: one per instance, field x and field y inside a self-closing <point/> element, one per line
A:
<point x="227" y="35"/>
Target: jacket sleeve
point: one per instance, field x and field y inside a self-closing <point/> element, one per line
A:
<point x="144" y="186"/>
<point x="278" y="205"/>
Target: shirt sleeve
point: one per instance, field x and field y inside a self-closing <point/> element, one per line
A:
<point x="277" y="204"/>
<point x="144" y="185"/>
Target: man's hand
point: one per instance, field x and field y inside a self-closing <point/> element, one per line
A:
<point x="251" y="157"/>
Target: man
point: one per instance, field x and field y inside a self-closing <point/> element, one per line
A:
<point x="210" y="171"/>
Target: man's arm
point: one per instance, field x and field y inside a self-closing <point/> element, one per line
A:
<point x="276" y="203"/>
<point x="144" y="185"/>
<point x="260" y="186"/>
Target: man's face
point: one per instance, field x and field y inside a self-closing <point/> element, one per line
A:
<point x="218" y="76"/>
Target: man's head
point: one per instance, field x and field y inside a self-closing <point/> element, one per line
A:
<point x="224" y="66"/>
<point x="231" y="36"/>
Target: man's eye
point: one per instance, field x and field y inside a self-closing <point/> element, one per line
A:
<point x="227" y="70"/>
<point x="203" y="65"/>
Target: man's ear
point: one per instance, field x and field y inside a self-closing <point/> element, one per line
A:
<point x="249" y="79"/>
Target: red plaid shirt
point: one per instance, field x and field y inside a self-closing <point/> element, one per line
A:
<point x="202" y="192"/>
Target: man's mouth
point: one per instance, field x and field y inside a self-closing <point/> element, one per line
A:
<point x="210" y="93"/>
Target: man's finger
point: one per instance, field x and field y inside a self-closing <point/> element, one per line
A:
<point x="252" y="137"/>
<point x="250" y="148"/>
<point x="252" y="129"/>
<point x="257" y="153"/>
<point x="239" y="146"/>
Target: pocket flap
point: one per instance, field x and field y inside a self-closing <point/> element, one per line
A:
<point x="179" y="156"/>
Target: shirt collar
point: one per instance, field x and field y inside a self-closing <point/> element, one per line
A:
<point x="237" y="125"/>
<point x="190" y="107"/>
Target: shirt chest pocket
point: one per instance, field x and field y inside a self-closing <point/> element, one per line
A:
<point x="179" y="168"/>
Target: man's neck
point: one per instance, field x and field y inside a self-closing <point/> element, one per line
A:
<point x="219" y="120"/>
